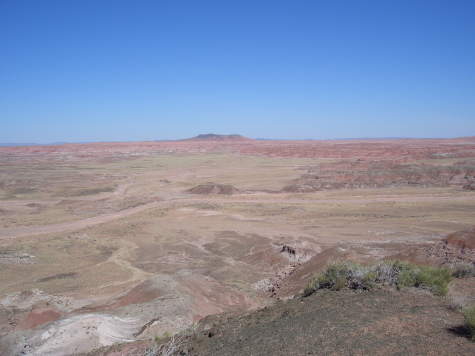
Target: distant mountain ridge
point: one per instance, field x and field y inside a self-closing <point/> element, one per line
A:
<point x="236" y="137"/>
<point x="216" y="137"/>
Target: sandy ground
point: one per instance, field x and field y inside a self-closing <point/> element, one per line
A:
<point x="104" y="243"/>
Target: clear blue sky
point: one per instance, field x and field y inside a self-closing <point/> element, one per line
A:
<point x="80" y="70"/>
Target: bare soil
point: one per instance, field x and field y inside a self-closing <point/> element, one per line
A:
<point x="105" y="243"/>
<point x="383" y="322"/>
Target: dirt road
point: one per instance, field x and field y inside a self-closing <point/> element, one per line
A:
<point x="22" y="231"/>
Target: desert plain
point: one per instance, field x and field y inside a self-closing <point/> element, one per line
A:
<point x="108" y="243"/>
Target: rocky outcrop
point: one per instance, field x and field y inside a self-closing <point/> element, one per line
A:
<point x="216" y="137"/>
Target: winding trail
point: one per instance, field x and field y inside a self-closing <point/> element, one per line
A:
<point x="23" y="231"/>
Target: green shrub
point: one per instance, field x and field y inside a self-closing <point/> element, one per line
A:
<point x="369" y="280"/>
<point x="393" y="273"/>
<point x="409" y="275"/>
<point x="159" y="339"/>
<point x="433" y="278"/>
<point x="342" y="275"/>
<point x="333" y="278"/>
<point x="469" y="315"/>
<point x="407" y="278"/>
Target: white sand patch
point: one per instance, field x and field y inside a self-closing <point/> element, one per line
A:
<point x="81" y="333"/>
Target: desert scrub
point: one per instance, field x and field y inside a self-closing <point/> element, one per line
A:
<point x="159" y="339"/>
<point x="436" y="279"/>
<point x="342" y="275"/>
<point x="392" y="273"/>
<point x="171" y="345"/>
<point x="469" y="315"/>
<point x="463" y="270"/>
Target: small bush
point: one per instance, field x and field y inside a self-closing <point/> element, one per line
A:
<point x="393" y="273"/>
<point x="160" y="339"/>
<point x="433" y="278"/>
<point x="469" y="315"/>
<point x="342" y="275"/>
<point x="463" y="270"/>
<point x="407" y="278"/>
<point x="333" y="278"/>
<point x="387" y="272"/>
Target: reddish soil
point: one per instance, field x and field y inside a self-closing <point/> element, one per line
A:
<point x="403" y="149"/>
<point x="462" y="239"/>
<point x="142" y="293"/>
<point x="210" y="297"/>
<point x="38" y="317"/>
<point x="364" y="163"/>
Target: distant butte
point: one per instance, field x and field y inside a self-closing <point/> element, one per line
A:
<point x="216" y="137"/>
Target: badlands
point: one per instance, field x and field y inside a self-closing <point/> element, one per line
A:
<point x="109" y="244"/>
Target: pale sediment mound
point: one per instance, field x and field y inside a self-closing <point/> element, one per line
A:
<point x="213" y="188"/>
<point x="76" y="334"/>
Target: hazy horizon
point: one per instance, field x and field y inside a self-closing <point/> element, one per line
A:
<point x="253" y="138"/>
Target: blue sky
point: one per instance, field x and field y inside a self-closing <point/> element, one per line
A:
<point x="142" y="70"/>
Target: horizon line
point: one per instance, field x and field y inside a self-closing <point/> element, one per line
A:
<point x="79" y="142"/>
